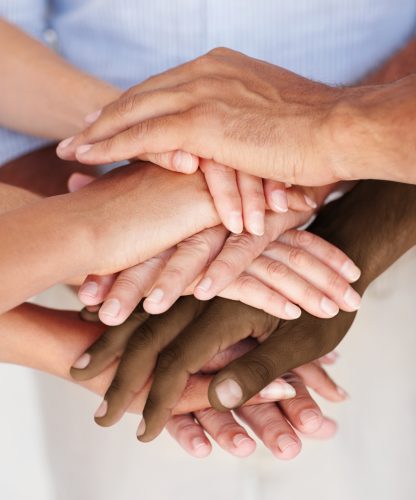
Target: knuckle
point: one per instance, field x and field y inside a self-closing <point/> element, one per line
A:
<point x="138" y="131"/>
<point x="219" y="51"/>
<point x="142" y="339"/>
<point x="260" y="371"/>
<point x="303" y="238"/>
<point x="277" y="270"/>
<point x="243" y="243"/>
<point x="128" y="282"/>
<point x="170" y="359"/>
<point x="336" y="284"/>
<point x="297" y="257"/>
<point x="196" y="243"/>
<point x="125" y="105"/>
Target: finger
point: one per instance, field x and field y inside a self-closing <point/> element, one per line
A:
<point x="270" y="425"/>
<point x="315" y="377"/>
<point x="275" y="275"/>
<point x="291" y="345"/>
<point x="324" y="251"/>
<point x="330" y="358"/>
<point x="190" y="351"/>
<point x="109" y="347"/>
<point x="95" y="289"/>
<point x="224" y="430"/>
<point x="140" y="355"/>
<point x="222" y="184"/>
<point x="302" y="198"/>
<point x="301" y="411"/>
<point x="77" y="181"/>
<point x="130" y="287"/>
<point x="189" y="435"/>
<point x="276" y="196"/>
<point x="249" y="290"/>
<point x="252" y="197"/>
<point x="327" y="430"/>
<point x="338" y="292"/>
<point x="183" y="268"/>
<point x="239" y="251"/>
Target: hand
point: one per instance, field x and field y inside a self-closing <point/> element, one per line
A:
<point x="302" y="412"/>
<point x="228" y="108"/>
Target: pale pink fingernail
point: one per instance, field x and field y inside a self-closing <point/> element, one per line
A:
<point x="92" y="117"/>
<point x="240" y="439"/>
<point x="292" y="310"/>
<point x="204" y="285"/>
<point x="81" y="150"/>
<point x="352" y="298"/>
<point x="141" y="429"/>
<point x="101" y="410"/>
<point x="184" y="162"/>
<point x="156" y="296"/>
<point x="329" y="307"/>
<point x="310" y="202"/>
<point x="82" y="362"/>
<point x="342" y="393"/>
<point x="279" y="199"/>
<point x="235" y="222"/>
<point x="89" y="288"/>
<point x="278" y="390"/>
<point x="111" y="308"/>
<point x="65" y="143"/>
<point x="229" y="393"/>
<point x="255" y="223"/>
<point x="350" y="271"/>
<point x="200" y="447"/>
<point x="331" y="356"/>
<point x="286" y="441"/>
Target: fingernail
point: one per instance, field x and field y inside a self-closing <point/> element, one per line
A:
<point x="310" y="202"/>
<point x="239" y="439"/>
<point x="82" y="362"/>
<point x="332" y="356"/>
<point x="156" y="296"/>
<point x="255" y="223"/>
<point x="92" y="117"/>
<point x="198" y="442"/>
<point x="352" y="298"/>
<point x="89" y="288"/>
<point x="142" y="428"/>
<point x="307" y="417"/>
<point x="204" y="285"/>
<point x="350" y="271"/>
<point x="65" y="143"/>
<point x="229" y="393"/>
<point x="342" y="393"/>
<point x="329" y="307"/>
<point x="111" y="308"/>
<point x="81" y="150"/>
<point x="279" y="199"/>
<point x="235" y="222"/>
<point x="278" y="390"/>
<point x="292" y="310"/>
<point x="285" y="441"/>
<point x="183" y="162"/>
<point x="101" y="410"/>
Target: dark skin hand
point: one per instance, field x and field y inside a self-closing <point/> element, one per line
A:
<point x="363" y="224"/>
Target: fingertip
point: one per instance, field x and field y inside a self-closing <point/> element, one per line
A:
<point x="279" y="202"/>
<point x="184" y="162"/>
<point x="203" y="290"/>
<point x="62" y="148"/>
<point x="287" y="447"/>
<point x="243" y="446"/>
<point x="255" y="223"/>
<point x="200" y="447"/>
<point x="234" y="222"/>
<point x="110" y="311"/>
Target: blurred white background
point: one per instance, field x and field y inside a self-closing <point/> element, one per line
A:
<point x="52" y="450"/>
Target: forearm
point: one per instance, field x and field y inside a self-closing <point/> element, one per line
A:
<point x="42" y="94"/>
<point x="50" y="341"/>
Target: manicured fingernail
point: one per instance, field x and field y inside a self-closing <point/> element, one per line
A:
<point x="156" y="296"/>
<point x="204" y="285"/>
<point x="350" y="271"/>
<point x="65" y="143"/>
<point x="82" y="362"/>
<point x="352" y="298"/>
<point x="292" y="310"/>
<point x="279" y="199"/>
<point x="142" y="428"/>
<point x="92" y="117"/>
<point x="329" y="307"/>
<point x="285" y="441"/>
<point x="101" y="410"/>
<point x="342" y="393"/>
<point x="308" y="417"/>
<point x="278" y="390"/>
<point x="255" y="223"/>
<point x="332" y="356"/>
<point x="235" y="222"/>
<point x="183" y="162"/>
<point x="111" y="308"/>
<point x="229" y="393"/>
<point x="310" y="202"/>
<point x="240" y="439"/>
<point x="81" y="150"/>
<point x="89" y="288"/>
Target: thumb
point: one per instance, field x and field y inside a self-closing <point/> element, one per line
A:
<point x="77" y="181"/>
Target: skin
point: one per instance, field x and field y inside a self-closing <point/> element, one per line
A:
<point x="361" y="223"/>
<point x="263" y="120"/>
